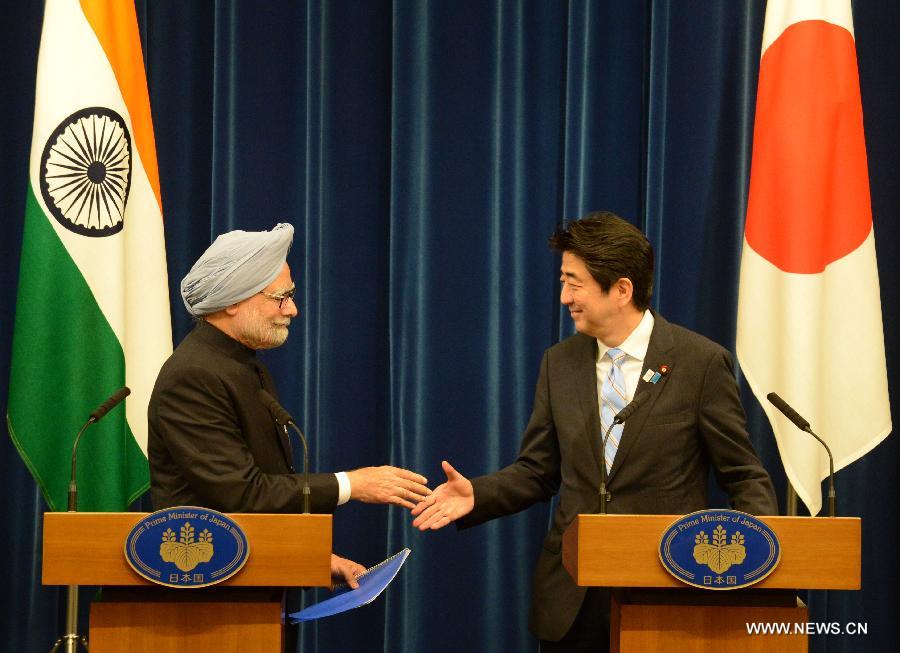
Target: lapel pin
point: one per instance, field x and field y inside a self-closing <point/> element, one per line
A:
<point x="663" y="370"/>
<point x="651" y="376"/>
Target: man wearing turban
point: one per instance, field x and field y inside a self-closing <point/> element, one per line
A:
<point x="212" y="441"/>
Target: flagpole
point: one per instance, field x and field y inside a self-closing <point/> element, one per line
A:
<point x="790" y="507"/>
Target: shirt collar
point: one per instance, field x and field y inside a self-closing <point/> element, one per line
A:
<point x="637" y="342"/>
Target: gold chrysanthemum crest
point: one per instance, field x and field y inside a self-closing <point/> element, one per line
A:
<point x="186" y="553"/>
<point x="720" y="555"/>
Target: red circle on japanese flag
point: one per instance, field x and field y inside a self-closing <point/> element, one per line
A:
<point x="809" y="186"/>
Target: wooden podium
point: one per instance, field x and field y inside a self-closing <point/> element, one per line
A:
<point x="243" y="613"/>
<point x="653" y="611"/>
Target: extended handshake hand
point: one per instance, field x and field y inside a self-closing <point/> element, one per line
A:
<point x="388" y="484"/>
<point x="448" y="502"/>
<point x="401" y="487"/>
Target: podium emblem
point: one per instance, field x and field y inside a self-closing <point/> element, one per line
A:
<point x="188" y="551"/>
<point x="719" y="549"/>
<point x="186" y="547"/>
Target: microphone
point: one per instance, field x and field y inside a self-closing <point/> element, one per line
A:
<point x="803" y="425"/>
<point x="789" y="412"/>
<point x="284" y="419"/>
<point x="620" y="417"/>
<point x="626" y="412"/>
<point x="98" y="414"/>
<point x="110" y="403"/>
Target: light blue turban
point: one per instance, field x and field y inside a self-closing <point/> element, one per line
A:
<point x="236" y="266"/>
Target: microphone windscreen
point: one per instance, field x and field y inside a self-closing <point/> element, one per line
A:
<point x="788" y="412"/>
<point x="626" y="412"/>
<point x="110" y="403"/>
<point x="278" y="412"/>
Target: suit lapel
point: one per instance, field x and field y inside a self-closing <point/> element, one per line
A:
<point x="659" y="353"/>
<point x="585" y="384"/>
<point x="284" y="440"/>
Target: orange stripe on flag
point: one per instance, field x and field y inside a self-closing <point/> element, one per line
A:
<point x="115" y="24"/>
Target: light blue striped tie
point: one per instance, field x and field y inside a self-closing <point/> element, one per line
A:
<point x="612" y="400"/>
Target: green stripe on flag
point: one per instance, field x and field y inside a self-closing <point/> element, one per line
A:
<point x="66" y="361"/>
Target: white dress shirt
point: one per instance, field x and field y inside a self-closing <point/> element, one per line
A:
<point x="635" y="346"/>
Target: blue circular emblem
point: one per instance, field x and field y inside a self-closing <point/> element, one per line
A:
<point x="186" y="547"/>
<point x="719" y="549"/>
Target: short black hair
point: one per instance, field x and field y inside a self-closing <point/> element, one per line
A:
<point x="612" y="249"/>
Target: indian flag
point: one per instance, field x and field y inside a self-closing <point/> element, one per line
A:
<point x="93" y="311"/>
<point x="809" y="308"/>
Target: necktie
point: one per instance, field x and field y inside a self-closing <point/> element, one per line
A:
<point x="612" y="400"/>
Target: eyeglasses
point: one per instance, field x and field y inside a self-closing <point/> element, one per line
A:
<point x="281" y="298"/>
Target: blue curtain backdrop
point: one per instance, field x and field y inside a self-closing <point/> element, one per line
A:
<point x="424" y="151"/>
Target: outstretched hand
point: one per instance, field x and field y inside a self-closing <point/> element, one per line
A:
<point x="448" y="502"/>
<point x="387" y="484"/>
<point x="345" y="571"/>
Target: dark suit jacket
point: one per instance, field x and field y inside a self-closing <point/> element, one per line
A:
<point x="693" y="418"/>
<point x="212" y="443"/>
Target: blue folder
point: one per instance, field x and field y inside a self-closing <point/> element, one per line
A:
<point x="371" y="584"/>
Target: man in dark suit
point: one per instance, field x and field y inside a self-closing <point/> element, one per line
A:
<point x="690" y="419"/>
<point x="212" y="441"/>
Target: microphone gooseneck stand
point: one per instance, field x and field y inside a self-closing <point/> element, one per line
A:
<point x="284" y="420"/>
<point x="71" y="640"/>
<point x="604" y="493"/>
<point x="620" y="418"/>
<point x="803" y="425"/>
